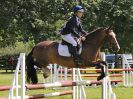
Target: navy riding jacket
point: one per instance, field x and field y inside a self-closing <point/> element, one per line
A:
<point x="73" y="26"/>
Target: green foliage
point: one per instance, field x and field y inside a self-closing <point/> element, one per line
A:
<point x="118" y="13"/>
<point x="19" y="47"/>
<point x="37" y="20"/>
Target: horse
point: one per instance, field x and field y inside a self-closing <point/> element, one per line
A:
<point x="45" y="53"/>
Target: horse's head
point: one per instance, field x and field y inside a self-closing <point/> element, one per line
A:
<point x="97" y="36"/>
<point x="111" y="38"/>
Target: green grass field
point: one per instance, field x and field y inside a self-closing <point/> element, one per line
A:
<point x="91" y="93"/>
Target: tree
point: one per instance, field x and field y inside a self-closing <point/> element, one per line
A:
<point x="30" y="19"/>
<point x="38" y="20"/>
<point x="118" y="13"/>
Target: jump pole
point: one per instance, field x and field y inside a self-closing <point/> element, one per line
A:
<point x="78" y="91"/>
<point x="23" y="82"/>
<point x="74" y="79"/>
<point x="51" y="94"/>
<point x="21" y="62"/>
<point x="128" y="76"/>
<point x="42" y="86"/>
<point x="69" y="92"/>
<point x="23" y="76"/>
<point x="112" y="75"/>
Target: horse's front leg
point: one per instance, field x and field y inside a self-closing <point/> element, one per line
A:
<point x="101" y="65"/>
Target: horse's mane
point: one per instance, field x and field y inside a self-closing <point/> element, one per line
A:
<point x="93" y="32"/>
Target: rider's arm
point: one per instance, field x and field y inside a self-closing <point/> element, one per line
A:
<point x="71" y="25"/>
<point x="82" y="30"/>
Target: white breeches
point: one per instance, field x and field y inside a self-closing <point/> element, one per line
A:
<point x="70" y="39"/>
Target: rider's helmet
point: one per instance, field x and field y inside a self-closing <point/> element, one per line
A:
<point x="78" y="8"/>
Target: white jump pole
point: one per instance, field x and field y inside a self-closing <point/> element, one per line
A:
<point x="128" y="75"/>
<point x="74" y="87"/>
<point x="11" y="91"/>
<point x="21" y="62"/>
<point x="65" y="74"/>
<point x="51" y="72"/>
<point x="22" y="75"/>
<point x="16" y="77"/>
<point x="104" y="84"/>
<point x="82" y="90"/>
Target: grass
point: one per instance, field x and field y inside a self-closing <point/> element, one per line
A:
<point x="91" y="93"/>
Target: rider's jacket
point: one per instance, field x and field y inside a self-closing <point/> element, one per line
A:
<point x="74" y="27"/>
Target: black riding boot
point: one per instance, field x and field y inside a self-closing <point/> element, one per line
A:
<point x="76" y="56"/>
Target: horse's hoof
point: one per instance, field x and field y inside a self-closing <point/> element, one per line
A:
<point x="100" y="77"/>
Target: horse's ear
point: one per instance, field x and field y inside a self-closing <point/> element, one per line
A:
<point x="110" y="27"/>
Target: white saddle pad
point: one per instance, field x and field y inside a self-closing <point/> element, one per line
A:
<point x="63" y="50"/>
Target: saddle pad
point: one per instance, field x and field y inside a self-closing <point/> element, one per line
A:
<point x="64" y="51"/>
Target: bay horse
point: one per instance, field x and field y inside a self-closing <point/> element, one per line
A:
<point x="46" y="52"/>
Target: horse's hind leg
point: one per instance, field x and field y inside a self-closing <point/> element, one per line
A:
<point x="46" y="72"/>
<point x="44" y="69"/>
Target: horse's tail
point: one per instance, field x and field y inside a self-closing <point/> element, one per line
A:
<point x="31" y="71"/>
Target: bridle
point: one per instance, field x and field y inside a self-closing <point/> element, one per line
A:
<point x="112" y="39"/>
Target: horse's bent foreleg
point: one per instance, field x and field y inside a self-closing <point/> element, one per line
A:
<point x="102" y="75"/>
<point x="101" y="64"/>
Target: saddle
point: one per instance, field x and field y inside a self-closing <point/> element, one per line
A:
<point x="64" y="49"/>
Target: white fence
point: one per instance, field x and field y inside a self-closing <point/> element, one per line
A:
<point x="127" y="75"/>
<point x="107" y="92"/>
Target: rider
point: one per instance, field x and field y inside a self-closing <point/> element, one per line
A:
<point x="72" y="31"/>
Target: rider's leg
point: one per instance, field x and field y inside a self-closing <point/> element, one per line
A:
<point x="70" y="39"/>
<point x="76" y="56"/>
<point x="73" y="49"/>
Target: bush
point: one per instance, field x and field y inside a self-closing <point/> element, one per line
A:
<point x="18" y="48"/>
